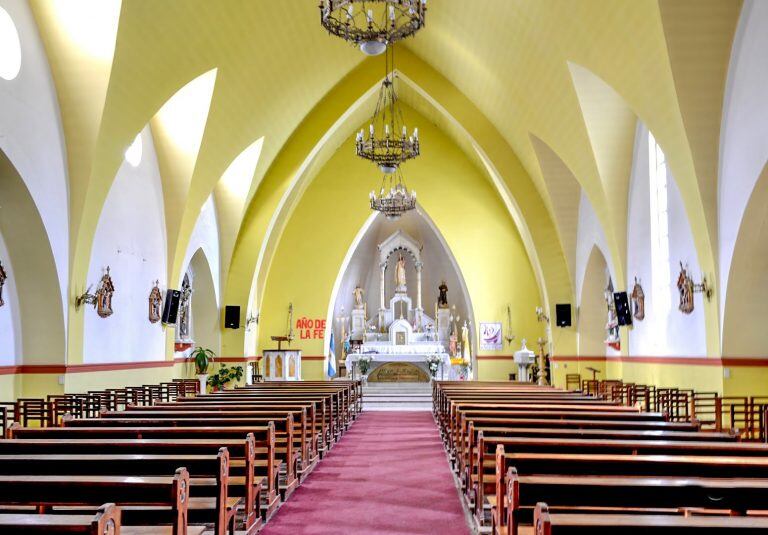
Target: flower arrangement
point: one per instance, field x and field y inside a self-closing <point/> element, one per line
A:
<point x="433" y="363"/>
<point x="364" y="361"/>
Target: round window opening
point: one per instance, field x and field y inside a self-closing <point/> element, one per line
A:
<point x="10" y="47"/>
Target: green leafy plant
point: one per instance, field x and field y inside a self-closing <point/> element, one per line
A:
<point x="224" y="376"/>
<point x="202" y="358"/>
<point x="364" y="362"/>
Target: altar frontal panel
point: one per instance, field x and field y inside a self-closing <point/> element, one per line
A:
<point x="398" y="372"/>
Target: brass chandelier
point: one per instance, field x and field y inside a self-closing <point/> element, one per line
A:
<point x="388" y="143"/>
<point x="394" y="198"/>
<point x="373" y="25"/>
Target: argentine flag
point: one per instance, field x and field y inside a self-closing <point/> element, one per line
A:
<point x="331" y="358"/>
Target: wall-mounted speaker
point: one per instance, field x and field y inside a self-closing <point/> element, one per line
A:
<point x="171" y="307"/>
<point x="563" y="314"/>
<point x="232" y="317"/>
<point x="623" y="312"/>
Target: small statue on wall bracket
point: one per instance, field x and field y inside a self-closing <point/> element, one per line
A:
<point x="155" y="303"/>
<point x="685" y="287"/>
<point x="638" y="301"/>
<point x="104" y="294"/>
<point x="3" y="278"/>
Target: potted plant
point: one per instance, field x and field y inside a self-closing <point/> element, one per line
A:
<point x="202" y="358"/>
<point x="224" y="376"/>
<point x="364" y="362"/>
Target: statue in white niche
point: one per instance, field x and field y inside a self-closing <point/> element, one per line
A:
<point x="400" y="284"/>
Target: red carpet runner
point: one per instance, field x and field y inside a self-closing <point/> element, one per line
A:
<point x="388" y="475"/>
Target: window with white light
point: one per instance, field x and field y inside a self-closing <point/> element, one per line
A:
<point x="133" y="154"/>
<point x="10" y="47"/>
<point x="660" y="268"/>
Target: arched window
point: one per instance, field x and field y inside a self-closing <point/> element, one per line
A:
<point x="660" y="267"/>
<point x="10" y="47"/>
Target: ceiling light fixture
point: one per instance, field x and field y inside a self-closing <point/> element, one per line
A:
<point x="372" y="25"/>
<point x="394" y="198"/>
<point x="387" y="143"/>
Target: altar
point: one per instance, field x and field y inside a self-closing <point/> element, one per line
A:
<point x="401" y="331"/>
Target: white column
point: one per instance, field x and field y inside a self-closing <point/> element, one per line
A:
<point x="418" y="285"/>
<point x="382" y="296"/>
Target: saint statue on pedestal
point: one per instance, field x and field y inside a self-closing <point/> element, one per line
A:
<point x="358" y="293"/>
<point x="400" y="284"/>
<point x="465" y="342"/>
<point x="442" y="298"/>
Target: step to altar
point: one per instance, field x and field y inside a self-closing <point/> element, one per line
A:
<point x="397" y="396"/>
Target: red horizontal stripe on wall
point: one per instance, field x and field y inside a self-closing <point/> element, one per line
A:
<point x="495" y="357"/>
<point x="114" y="366"/>
<point x="221" y="359"/>
<point x="691" y="361"/>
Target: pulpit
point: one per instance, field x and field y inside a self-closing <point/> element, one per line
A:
<point x="282" y="365"/>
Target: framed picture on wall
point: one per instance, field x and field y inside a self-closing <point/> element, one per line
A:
<point x="490" y="337"/>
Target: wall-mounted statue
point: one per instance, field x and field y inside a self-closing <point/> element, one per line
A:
<point x="685" y="287"/>
<point x="104" y="294"/>
<point x="155" y="303"/>
<point x="638" y="301"/>
<point x="358" y="293"/>
<point x="3" y="277"/>
<point x="442" y="298"/>
<point x="612" y="324"/>
<point x="185" y="301"/>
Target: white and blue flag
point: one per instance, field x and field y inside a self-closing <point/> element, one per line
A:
<point x="330" y="366"/>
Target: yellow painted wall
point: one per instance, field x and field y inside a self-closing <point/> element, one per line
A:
<point x="746" y="381"/>
<point x="560" y="369"/>
<point x="10" y="387"/>
<point x="476" y="226"/>
<point x="699" y="378"/>
<point x="40" y="385"/>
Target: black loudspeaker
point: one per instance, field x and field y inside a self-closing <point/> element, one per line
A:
<point x="623" y="313"/>
<point x="563" y="314"/>
<point x="232" y="317"/>
<point x="171" y="308"/>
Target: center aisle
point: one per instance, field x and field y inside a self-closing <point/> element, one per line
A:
<point x="388" y="475"/>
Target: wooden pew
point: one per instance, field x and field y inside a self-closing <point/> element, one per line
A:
<point x="106" y="521"/>
<point x="304" y="436"/>
<point x="316" y="415"/>
<point x="264" y="441"/>
<point x="209" y="481"/>
<point x="479" y="446"/>
<point x="327" y="422"/>
<point x="599" y="464"/>
<point x="243" y="462"/>
<point x="52" y="491"/>
<point x="626" y="492"/>
<point x="283" y="450"/>
<point x="338" y="409"/>
<point x="546" y="523"/>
